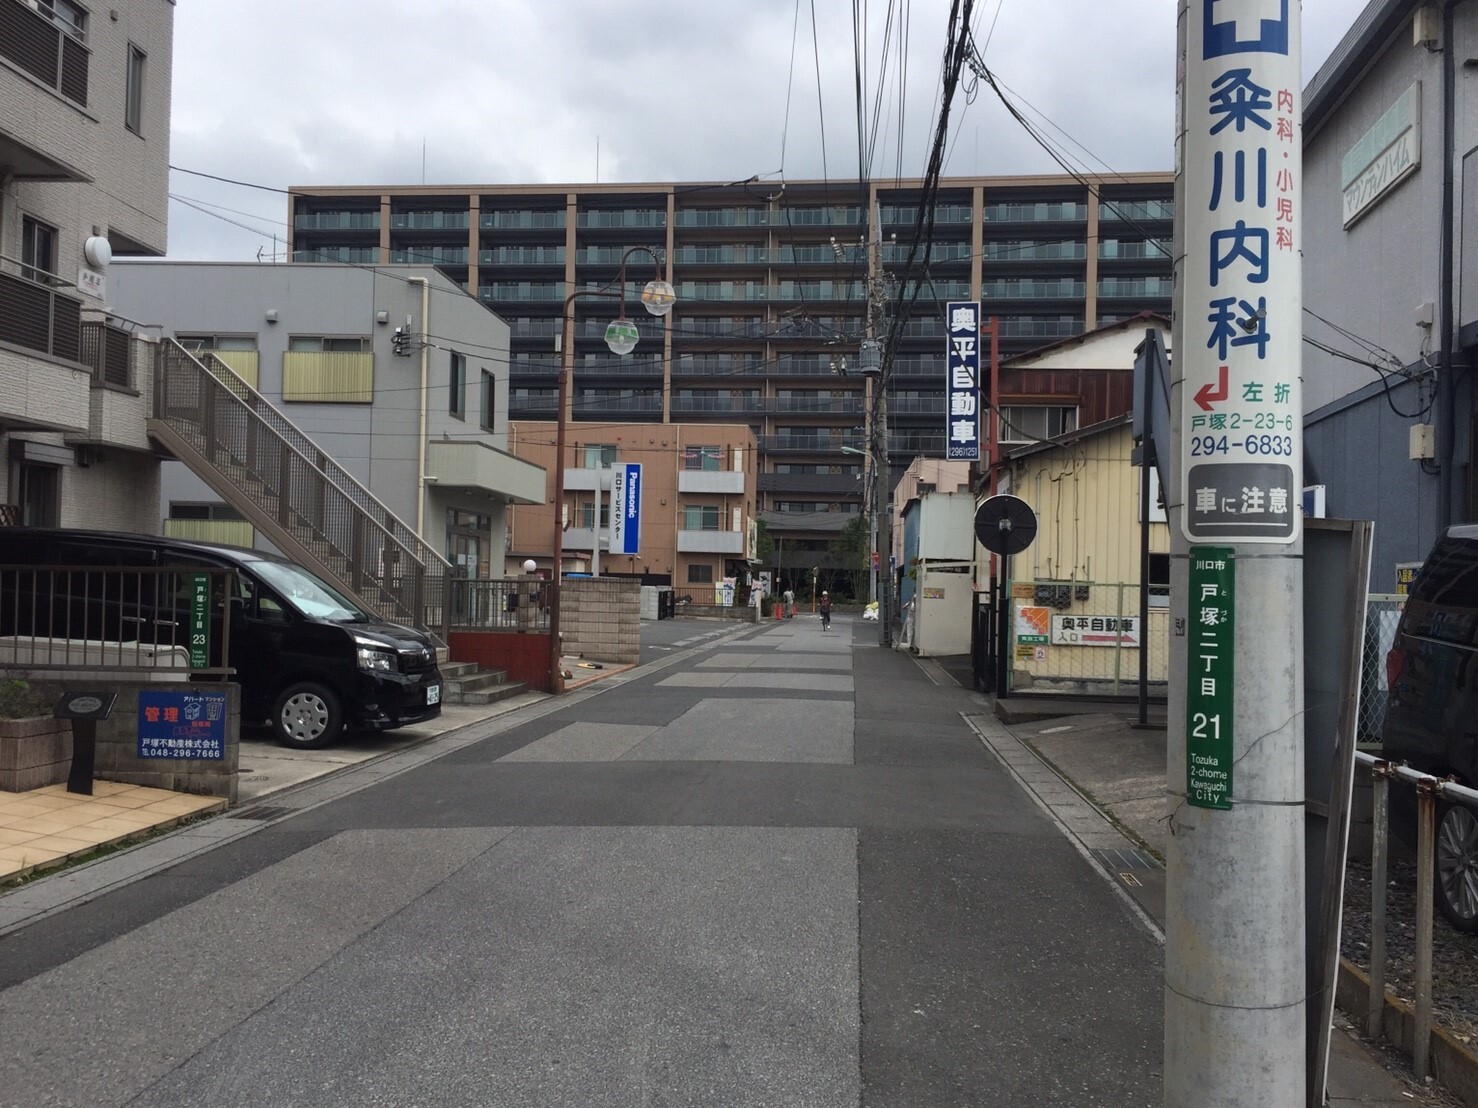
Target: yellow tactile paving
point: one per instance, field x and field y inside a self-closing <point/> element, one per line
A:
<point x="46" y="826"/>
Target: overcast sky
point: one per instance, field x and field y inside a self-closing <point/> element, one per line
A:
<point x="352" y="92"/>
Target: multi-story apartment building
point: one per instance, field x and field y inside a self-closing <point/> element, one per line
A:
<point x="772" y="282"/>
<point x="84" y="164"/>
<point x="697" y="515"/>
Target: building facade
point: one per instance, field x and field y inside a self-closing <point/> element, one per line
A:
<point x="1391" y="276"/>
<point x="84" y="165"/>
<point x="393" y="372"/>
<point x="698" y="524"/>
<point x="772" y="282"/>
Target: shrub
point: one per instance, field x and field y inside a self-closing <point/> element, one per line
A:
<point x="19" y="699"/>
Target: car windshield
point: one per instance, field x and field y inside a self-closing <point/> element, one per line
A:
<point x="308" y="594"/>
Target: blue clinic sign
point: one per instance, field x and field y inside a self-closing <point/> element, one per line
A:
<point x="626" y="508"/>
<point x="182" y="725"/>
<point x="962" y="362"/>
<point x="1240" y="350"/>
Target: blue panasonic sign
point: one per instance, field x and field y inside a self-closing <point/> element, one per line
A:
<point x="626" y="511"/>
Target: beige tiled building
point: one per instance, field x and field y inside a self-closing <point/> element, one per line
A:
<point x="84" y="165"/>
<point x="698" y="520"/>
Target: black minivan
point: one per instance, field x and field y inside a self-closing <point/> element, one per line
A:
<point x="309" y="660"/>
<point x="1432" y="712"/>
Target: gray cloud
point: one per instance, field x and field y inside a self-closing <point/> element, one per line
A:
<point x="351" y="91"/>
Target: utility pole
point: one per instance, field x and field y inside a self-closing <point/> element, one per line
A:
<point x="871" y="360"/>
<point x="1235" y="1007"/>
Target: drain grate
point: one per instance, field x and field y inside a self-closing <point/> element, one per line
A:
<point x="263" y="812"/>
<point x="1118" y="860"/>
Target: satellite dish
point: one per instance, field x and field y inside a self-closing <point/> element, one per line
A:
<point x="1005" y="524"/>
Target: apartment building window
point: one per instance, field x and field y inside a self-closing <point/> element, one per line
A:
<point x="133" y="101"/>
<point x="66" y="15"/>
<point x="239" y="352"/>
<point x="708" y="458"/>
<point x="700" y="517"/>
<point x="328" y="369"/>
<point x="456" y="386"/>
<point x="595" y="455"/>
<point x="1033" y="423"/>
<point x="700" y="574"/>
<point x="38" y="250"/>
<point x="587" y="514"/>
<point x="488" y="407"/>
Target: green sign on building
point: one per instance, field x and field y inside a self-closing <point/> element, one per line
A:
<point x="200" y="620"/>
<point x="1210" y="677"/>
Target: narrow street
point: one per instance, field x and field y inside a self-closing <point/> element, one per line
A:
<point x="770" y="868"/>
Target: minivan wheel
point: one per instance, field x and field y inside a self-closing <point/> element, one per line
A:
<point x="307" y="716"/>
<point x="1457" y="866"/>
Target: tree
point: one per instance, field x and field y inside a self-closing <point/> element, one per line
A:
<point x="764" y="543"/>
<point x="852" y="552"/>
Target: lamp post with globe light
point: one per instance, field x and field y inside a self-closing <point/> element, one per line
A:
<point x="621" y="336"/>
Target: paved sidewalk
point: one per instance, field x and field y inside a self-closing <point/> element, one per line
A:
<point x="1103" y="779"/>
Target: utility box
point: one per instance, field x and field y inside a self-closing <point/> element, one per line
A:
<point x="942" y="606"/>
<point x="946" y="527"/>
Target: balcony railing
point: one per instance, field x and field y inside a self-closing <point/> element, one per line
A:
<point x="108" y="351"/>
<point x="39" y="317"/>
<point x="429" y="221"/>
<point x="347" y="255"/>
<point x="337" y="221"/>
<point x="53" y="55"/>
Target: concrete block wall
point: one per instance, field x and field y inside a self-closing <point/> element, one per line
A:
<point x="600" y="619"/>
<point x="34" y="753"/>
<point x="118" y="745"/>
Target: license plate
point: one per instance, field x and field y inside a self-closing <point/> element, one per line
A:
<point x="433" y="694"/>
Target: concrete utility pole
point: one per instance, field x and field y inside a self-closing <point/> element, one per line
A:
<point x="1235" y="1025"/>
<point x="873" y="360"/>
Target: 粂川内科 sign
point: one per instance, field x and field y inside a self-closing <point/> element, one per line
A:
<point x="1239" y="350"/>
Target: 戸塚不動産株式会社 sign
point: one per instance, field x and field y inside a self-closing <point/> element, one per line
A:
<point x="1241" y="327"/>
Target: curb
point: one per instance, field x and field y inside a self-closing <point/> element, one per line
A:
<point x="1454" y="1066"/>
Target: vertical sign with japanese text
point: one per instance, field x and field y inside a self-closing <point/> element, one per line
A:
<point x="626" y="508"/>
<point x="1241" y="411"/>
<point x="1210" y="675"/>
<point x="962" y="362"/>
<point x="199" y="620"/>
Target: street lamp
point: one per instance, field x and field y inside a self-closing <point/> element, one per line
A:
<point x="621" y="337"/>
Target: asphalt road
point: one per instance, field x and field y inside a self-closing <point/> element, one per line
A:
<point x="776" y="868"/>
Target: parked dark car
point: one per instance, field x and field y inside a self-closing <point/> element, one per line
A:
<point x="1432" y="713"/>
<point x="308" y="659"/>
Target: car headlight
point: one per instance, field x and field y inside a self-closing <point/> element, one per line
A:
<point x="380" y="661"/>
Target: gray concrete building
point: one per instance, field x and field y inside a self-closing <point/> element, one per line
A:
<point x="1391" y="275"/>
<point x="394" y="373"/>
<point x="84" y="165"/>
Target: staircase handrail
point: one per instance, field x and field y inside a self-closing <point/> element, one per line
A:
<point x="405" y="537"/>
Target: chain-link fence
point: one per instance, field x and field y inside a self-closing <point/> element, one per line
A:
<point x="1086" y="637"/>
<point x="1382" y="611"/>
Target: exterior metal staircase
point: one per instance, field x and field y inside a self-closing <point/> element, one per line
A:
<point x="300" y="499"/>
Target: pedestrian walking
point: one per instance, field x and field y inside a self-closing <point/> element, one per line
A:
<point x="789" y="597"/>
<point x="826" y="611"/>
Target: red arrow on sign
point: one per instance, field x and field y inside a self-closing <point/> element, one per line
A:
<point x="1207" y="393"/>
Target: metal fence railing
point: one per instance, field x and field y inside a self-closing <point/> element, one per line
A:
<point x="1429" y="792"/>
<point x="118" y="619"/>
<point x="508" y="604"/>
<point x="1085" y="637"/>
